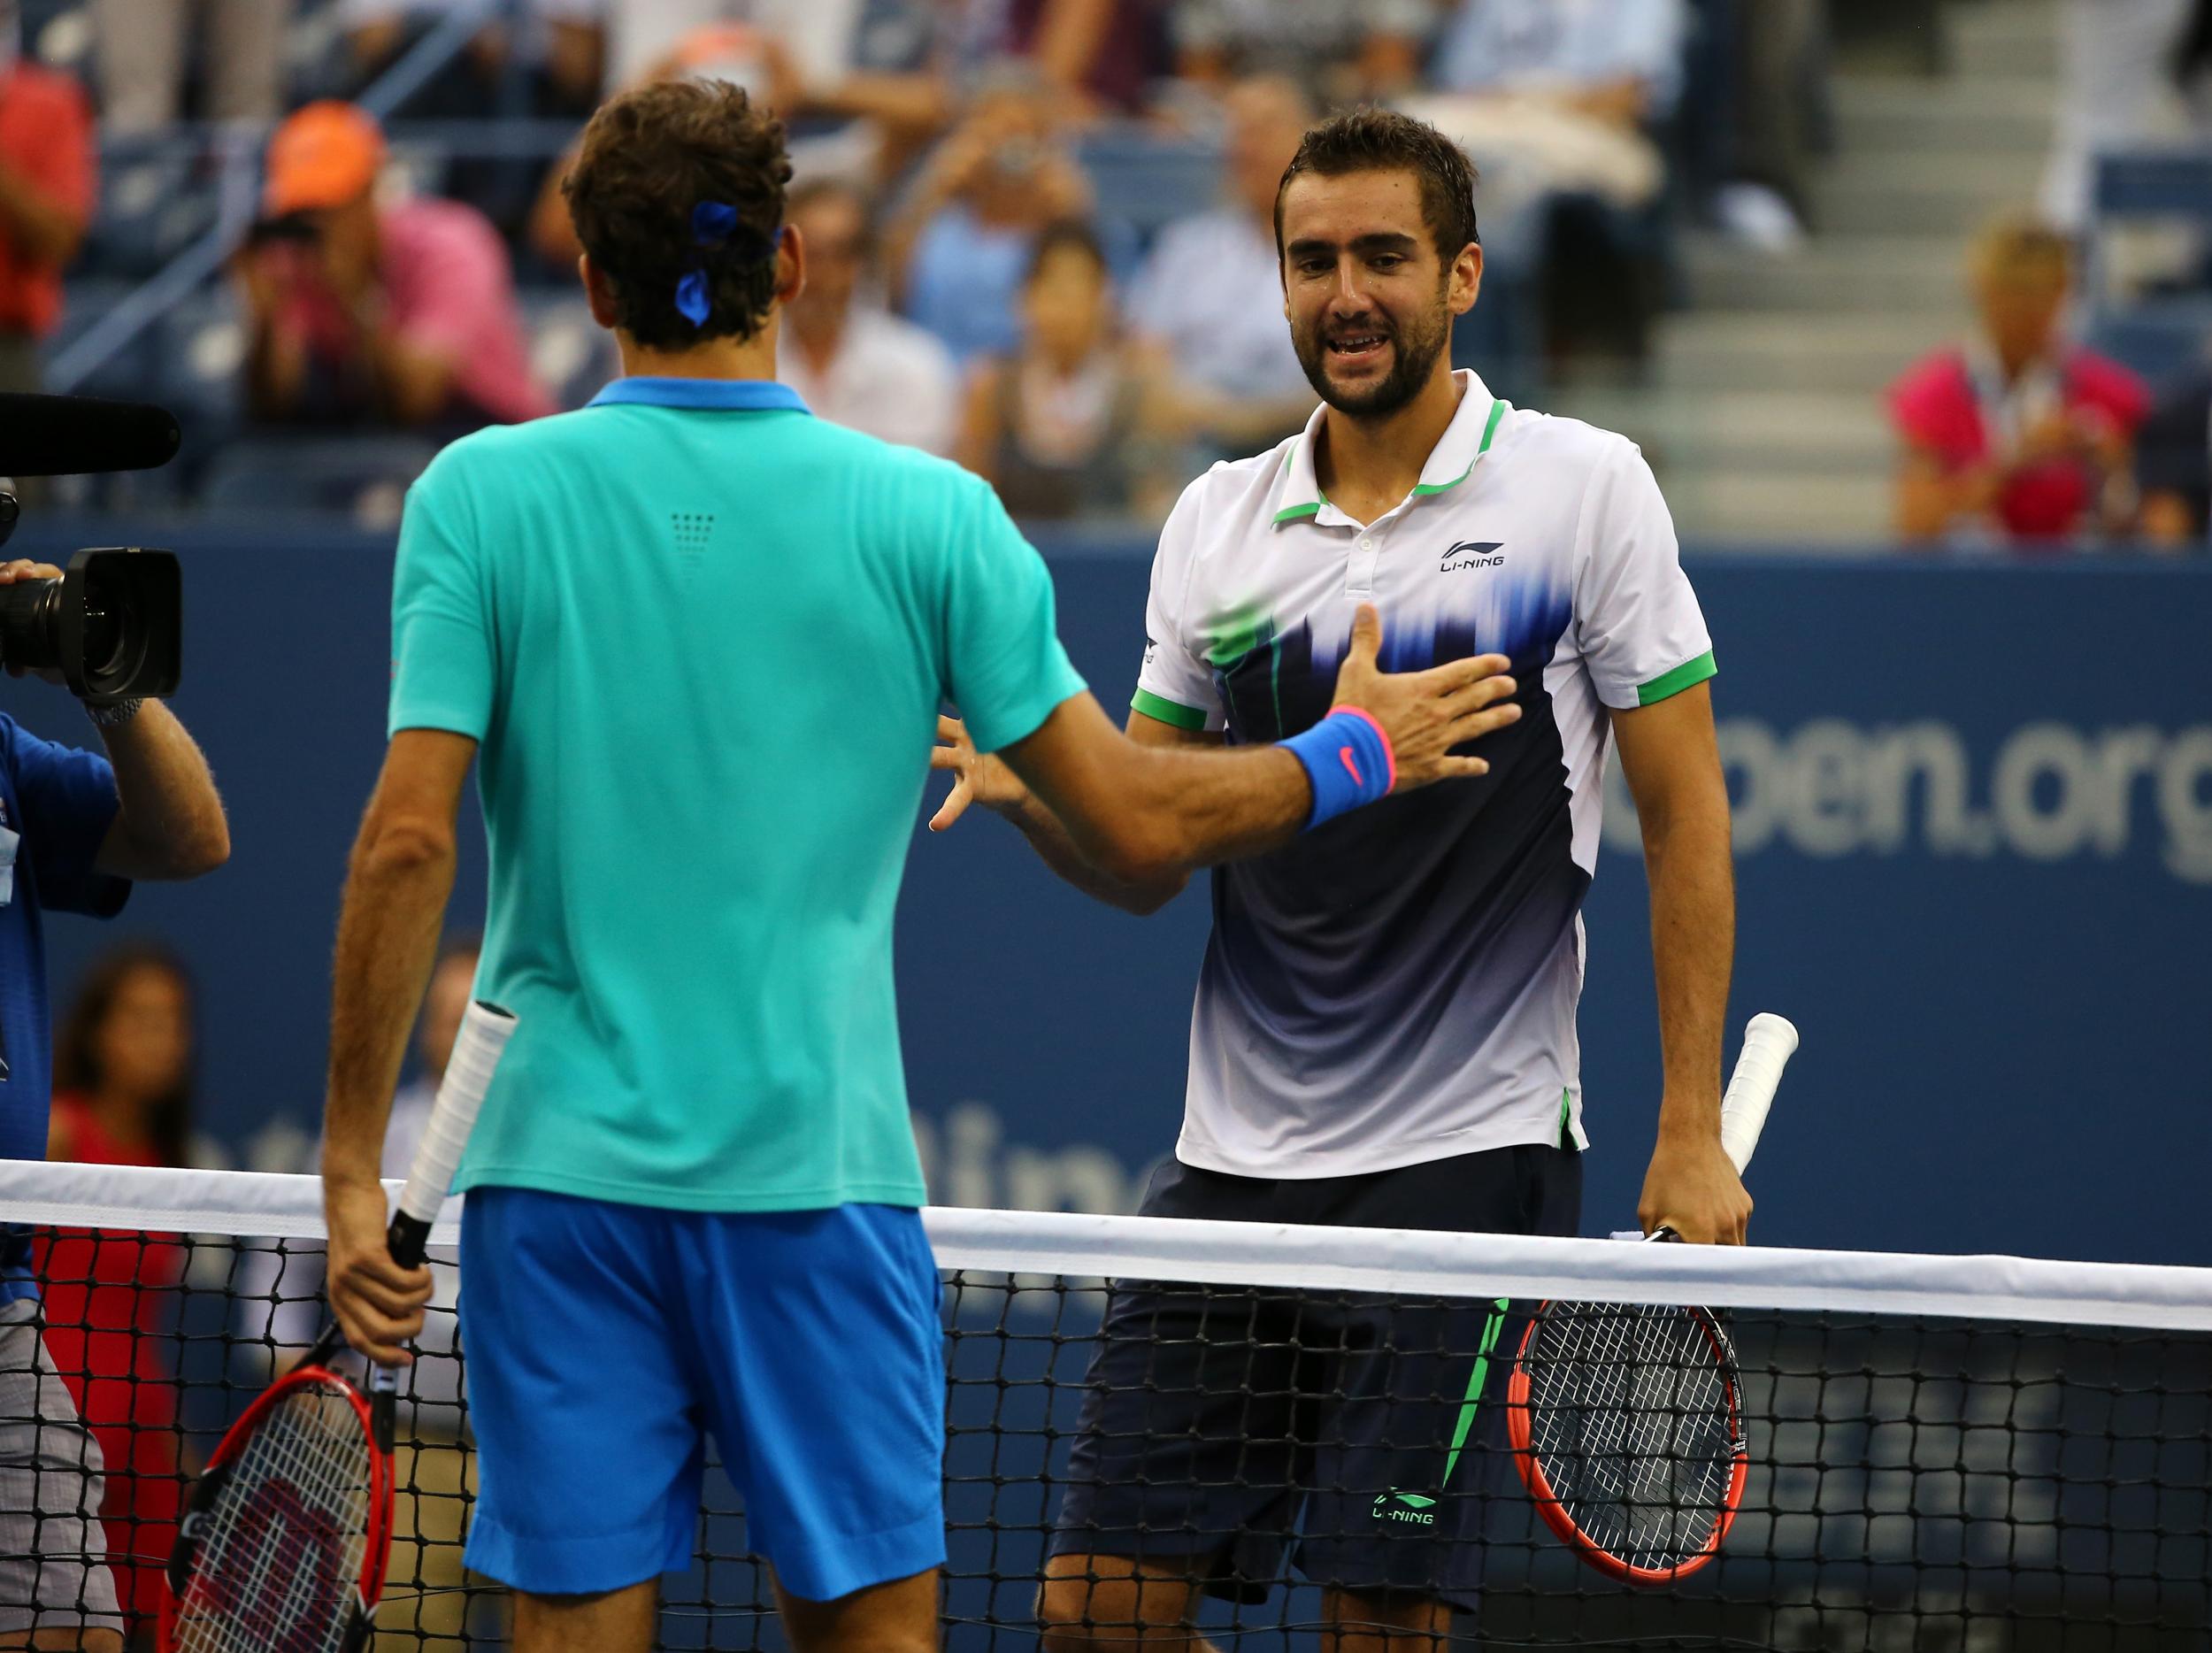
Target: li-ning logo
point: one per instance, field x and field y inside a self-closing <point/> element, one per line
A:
<point x="1409" y="1507"/>
<point x="1474" y="554"/>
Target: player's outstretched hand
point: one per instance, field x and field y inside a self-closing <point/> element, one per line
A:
<point x="1427" y="713"/>
<point x="379" y="1304"/>
<point x="977" y="777"/>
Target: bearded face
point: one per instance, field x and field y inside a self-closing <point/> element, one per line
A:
<point x="1370" y="302"/>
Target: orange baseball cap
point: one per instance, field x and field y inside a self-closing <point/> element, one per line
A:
<point x="324" y="155"/>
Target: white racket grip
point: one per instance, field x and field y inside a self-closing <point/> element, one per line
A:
<point x="1768" y="1044"/>
<point x="485" y="1030"/>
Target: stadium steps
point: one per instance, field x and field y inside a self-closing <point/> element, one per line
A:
<point x="1839" y="273"/>
<point x="1854" y="354"/>
<point x="1931" y="196"/>
<point x="1763" y="413"/>
<point x="2016" y="38"/>
<point x="1879" y="115"/>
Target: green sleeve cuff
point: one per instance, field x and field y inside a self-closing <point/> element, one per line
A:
<point x="1166" y="710"/>
<point x="1687" y="675"/>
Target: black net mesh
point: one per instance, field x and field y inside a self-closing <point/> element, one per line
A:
<point x="1277" y="1460"/>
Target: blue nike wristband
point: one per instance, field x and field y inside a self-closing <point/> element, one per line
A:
<point x="1349" y="760"/>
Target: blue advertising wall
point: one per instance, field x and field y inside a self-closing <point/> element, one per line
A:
<point x="1974" y="821"/>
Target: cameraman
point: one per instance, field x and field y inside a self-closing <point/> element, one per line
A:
<point x="75" y="828"/>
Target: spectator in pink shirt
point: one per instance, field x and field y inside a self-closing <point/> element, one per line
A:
<point x="401" y="314"/>
<point x="2018" y="432"/>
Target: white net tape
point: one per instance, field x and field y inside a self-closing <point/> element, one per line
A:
<point x="1380" y="1260"/>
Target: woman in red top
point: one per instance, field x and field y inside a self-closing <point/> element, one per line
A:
<point x="2019" y="432"/>
<point x="123" y="1088"/>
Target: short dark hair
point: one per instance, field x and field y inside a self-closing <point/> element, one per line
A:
<point x="1383" y="140"/>
<point x="1067" y="234"/>
<point x="649" y="158"/>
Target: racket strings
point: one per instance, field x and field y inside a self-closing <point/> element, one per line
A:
<point x="281" y="1543"/>
<point x="1630" y="1417"/>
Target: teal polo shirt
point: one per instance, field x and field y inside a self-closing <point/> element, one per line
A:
<point x="702" y="637"/>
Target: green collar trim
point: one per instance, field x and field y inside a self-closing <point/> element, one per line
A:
<point x="1307" y="507"/>
<point x="1489" y="433"/>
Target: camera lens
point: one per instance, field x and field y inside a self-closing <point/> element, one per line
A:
<point x="111" y="625"/>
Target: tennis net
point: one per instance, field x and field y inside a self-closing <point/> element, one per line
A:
<point x="1961" y="1453"/>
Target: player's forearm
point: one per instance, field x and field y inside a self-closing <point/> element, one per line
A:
<point x="1050" y="839"/>
<point x="1164" y="812"/>
<point x="1694" y="943"/>
<point x="397" y="889"/>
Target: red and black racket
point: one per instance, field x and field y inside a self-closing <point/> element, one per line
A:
<point x="283" y="1544"/>
<point x="1626" y="1420"/>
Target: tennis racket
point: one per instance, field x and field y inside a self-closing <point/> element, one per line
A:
<point x="1626" y="1420"/>
<point x="284" y="1542"/>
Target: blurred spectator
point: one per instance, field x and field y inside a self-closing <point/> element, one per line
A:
<point x="1210" y="296"/>
<point x="123" y="1096"/>
<point x="2019" y="432"/>
<point x="1557" y="94"/>
<point x="816" y="36"/>
<point x="557" y="47"/>
<point x="853" y="362"/>
<point x="1100" y="53"/>
<point x="960" y="245"/>
<point x="819" y="56"/>
<point x="2173" y="465"/>
<point x="48" y="189"/>
<point x="1616" y="61"/>
<point x="146" y="48"/>
<point x="401" y="314"/>
<point x="1342" y="53"/>
<point x="2117" y="59"/>
<point x="864" y="105"/>
<point x="1773" y="57"/>
<point x="1067" y="426"/>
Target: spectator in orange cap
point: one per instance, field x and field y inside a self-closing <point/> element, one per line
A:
<point x="362" y="312"/>
<point x="46" y="197"/>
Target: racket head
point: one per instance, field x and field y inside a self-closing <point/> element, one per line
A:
<point x="1626" y="1425"/>
<point x="284" y="1544"/>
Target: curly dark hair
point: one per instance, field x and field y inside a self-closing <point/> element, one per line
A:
<point x="1383" y="140"/>
<point x="77" y="1040"/>
<point x="649" y="158"/>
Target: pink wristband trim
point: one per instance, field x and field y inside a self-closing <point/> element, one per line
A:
<point x="1390" y="758"/>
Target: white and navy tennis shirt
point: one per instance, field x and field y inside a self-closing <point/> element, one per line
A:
<point x="1400" y="985"/>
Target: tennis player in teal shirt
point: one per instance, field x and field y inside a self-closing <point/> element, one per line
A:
<point x="696" y="642"/>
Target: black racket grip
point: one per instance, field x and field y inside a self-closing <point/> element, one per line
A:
<point x="407" y="1238"/>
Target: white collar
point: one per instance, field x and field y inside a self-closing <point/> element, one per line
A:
<point x="1465" y="440"/>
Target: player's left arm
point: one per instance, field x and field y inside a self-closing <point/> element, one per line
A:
<point x="1671" y="759"/>
<point x="397" y="883"/>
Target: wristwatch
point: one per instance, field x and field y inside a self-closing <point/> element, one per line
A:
<point x="116" y="716"/>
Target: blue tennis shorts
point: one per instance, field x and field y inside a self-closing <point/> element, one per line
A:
<point x="606" y="1341"/>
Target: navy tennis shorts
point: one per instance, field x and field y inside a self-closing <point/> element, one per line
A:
<point x="1227" y="1430"/>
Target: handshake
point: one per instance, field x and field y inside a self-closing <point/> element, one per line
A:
<point x="1402" y="730"/>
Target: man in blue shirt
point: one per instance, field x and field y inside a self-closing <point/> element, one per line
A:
<point x="75" y="829"/>
<point x="699" y="640"/>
